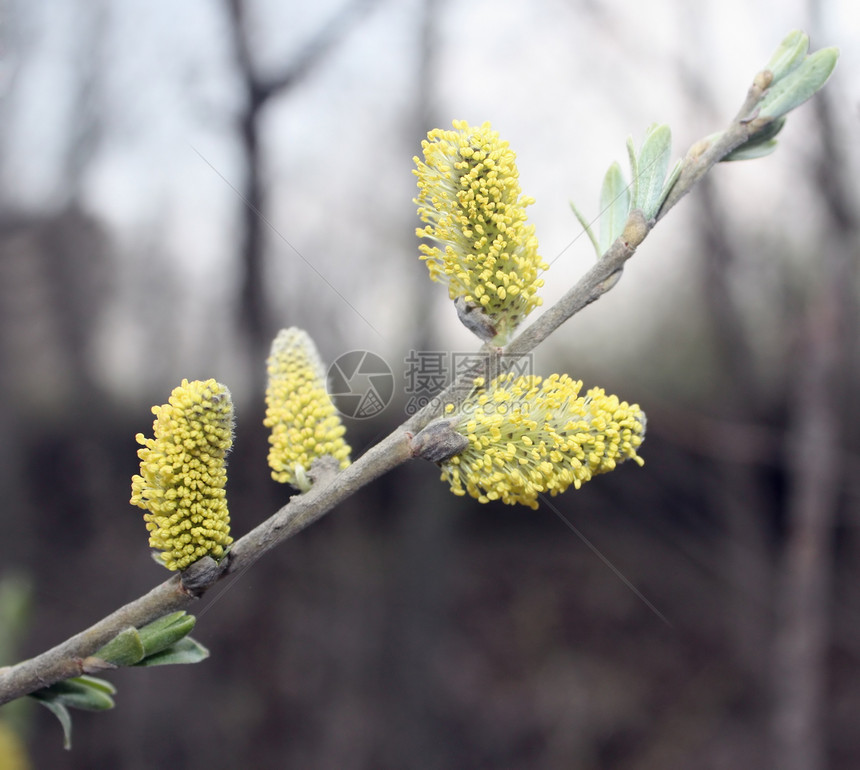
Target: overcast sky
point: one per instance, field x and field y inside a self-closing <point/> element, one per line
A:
<point x="564" y="82"/>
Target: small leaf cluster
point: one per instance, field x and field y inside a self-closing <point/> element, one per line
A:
<point x="651" y="183"/>
<point x="88" y="693"/>
<point x="163" y="642"/>
<point x="791" y="77"/>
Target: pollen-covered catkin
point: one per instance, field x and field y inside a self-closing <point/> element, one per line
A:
<point x="529" y="436"/>
<point x="475" y="219"/>
<point x="183" y="474"/>
<point x="303" y="420"/>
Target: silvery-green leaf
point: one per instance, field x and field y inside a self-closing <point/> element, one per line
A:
<point x="125" y="649"/>
<point x="186" y="650"/>
<point x="789" y="55"/>
<point x="752" y="152"/>
<point x="614" y="207"/>
<point x="586" y="226"/>
<point x="653" y="164"/>
<point x="670" y="183"/>
<point x="634" y="171"/>
<point x="799" y="85"/>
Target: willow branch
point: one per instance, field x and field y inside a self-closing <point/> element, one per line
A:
<point x="322" y="497"/>
<point x="72" y="657"/>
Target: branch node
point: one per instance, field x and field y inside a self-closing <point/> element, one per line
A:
<point x="763" y="80"/>
<point x="94" y="665"/>
<point x="439" y="441"/>
<point x="635" y="230"/>
<point x="200" y="575"/>
<point x="323" y="470"/>
<point x="609" y="283"/>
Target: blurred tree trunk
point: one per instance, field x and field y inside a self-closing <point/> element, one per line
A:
<point x="254" y="319"/>
<point x="423" y="561"/>
<point x="741" y="500"/>
<point x="803" y="587"/>
<point x="815" y="460"/>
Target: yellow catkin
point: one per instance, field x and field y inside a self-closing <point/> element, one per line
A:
<point x="529" y="436"/>
<point x="183" y="474"/>
<point x="475" y="218"/>
<point x="13" y="752"/>
<point x="303" y="421"/>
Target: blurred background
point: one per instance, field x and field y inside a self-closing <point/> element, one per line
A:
<point x="179" y="181"/>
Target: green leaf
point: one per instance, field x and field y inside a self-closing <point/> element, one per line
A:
<point x="586" y="226"/>
<point x="614" y="207"/>
<point x="131" y="645"/>
<point x="165" y="621"/>
<point x="96" y="683"/>
<point x="799" y="85"/>
<point x="125" y="649"/>
<point x="185" y="651"/>
<point x="62" y="713"/>
<point x="162" y="633"/>
<point x="82" y="692"/>
<point x="751" y="153"/>
<point x="87" y="693"/>
<point x="653" y="163"/>
<point x="788" y="57"/>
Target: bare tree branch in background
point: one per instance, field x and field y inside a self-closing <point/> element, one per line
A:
<point x="259" y="89"/>
<point x="88" y="116"/>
